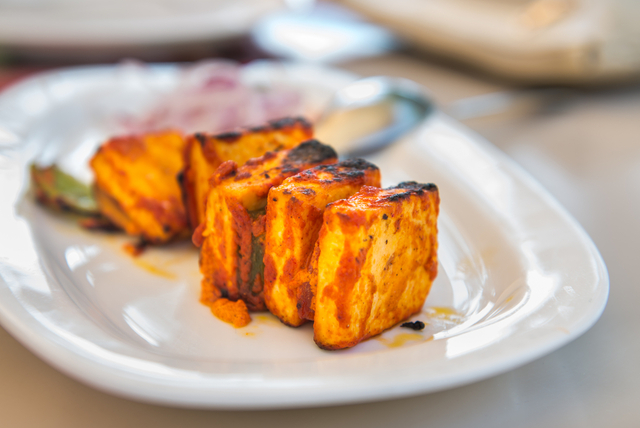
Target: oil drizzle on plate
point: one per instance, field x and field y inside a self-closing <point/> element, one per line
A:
<point x="402" y="339"/>
<point x="266" y="319"/>
<point x="154" y="269"/>
<point x="443" y="313"/>
<point x="258" y="320"/>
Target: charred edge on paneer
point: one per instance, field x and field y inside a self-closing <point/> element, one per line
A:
<point x="373" y="263"/>
<point x="204" y="153"/>
<point x="232" y="237"/>
<point x="294" y="218"/>
<point x="136" y="188"/>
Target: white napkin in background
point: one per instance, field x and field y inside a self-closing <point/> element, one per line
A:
<point x="535" y="41"/>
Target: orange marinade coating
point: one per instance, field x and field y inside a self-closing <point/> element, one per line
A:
<point x="234" y="313"/>
<point x="373" y="264"/>
<point x="204" y="153"/>
<point x="232" y="240"/>
<point x="294" y="218"/>
<point x="136" y="187"/>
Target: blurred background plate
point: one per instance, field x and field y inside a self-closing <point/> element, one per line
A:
<point x="97" y="29"/>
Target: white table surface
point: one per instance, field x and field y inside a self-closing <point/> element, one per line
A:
<point x="586" y="152"/>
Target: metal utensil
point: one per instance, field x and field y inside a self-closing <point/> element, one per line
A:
<point x="371" y="113"/>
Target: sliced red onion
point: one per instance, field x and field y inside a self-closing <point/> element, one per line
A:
<point x="211" y="97"/>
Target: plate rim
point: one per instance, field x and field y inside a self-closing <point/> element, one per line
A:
<point x="21" y="324"/>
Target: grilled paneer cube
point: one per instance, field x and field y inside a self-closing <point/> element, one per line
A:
<point x="232" y="237"/>
<point x="204" y="153"/>
<point x="374" y="262"/>
<point x="294" y="218"/>
<point x="136" y="187"/>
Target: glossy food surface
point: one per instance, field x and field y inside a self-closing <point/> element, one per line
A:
<point x="375" y="259"/>
<point x="137" y="187"/>
<point x="294" y="218"/>
<point x="233" y="236"/>
<point x="204" y="153"/>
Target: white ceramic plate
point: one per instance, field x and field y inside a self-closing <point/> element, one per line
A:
<point x="518" y="277"/>
<point x="96" y="24"/>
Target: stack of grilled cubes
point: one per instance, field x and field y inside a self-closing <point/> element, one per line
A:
<point x="284" y="226"/>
